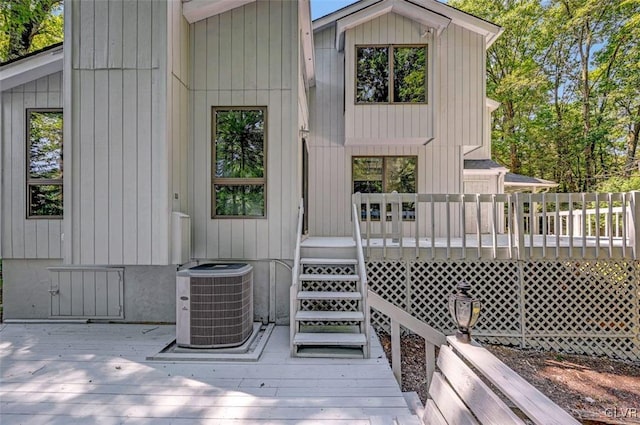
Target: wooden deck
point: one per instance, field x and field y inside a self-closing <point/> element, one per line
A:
<point x="500" y="247"/>
<point x="98" y="374"/>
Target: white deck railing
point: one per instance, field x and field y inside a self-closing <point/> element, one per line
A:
<point x="362" y="273"/>
<point x="295" y="275"/>
<point x="572" y="225"/>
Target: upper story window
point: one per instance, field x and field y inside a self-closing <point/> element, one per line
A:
<point x="391" y="74"/>
<point x="239" y="162"/>
<point x="44" y="163"/>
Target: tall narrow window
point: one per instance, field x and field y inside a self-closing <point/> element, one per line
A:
<point x="239" y="162"/>
<point x="385" y="174"/>
<point x="391" y="74"/>
<point x="44" y="163"/>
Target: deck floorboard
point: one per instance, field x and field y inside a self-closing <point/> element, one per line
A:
<point x="98" y="373"/>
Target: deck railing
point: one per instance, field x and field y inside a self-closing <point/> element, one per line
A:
<point x="432" y="337"/>
<point x="572" y="225"/>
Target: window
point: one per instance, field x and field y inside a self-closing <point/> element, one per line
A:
<point x="391" y="74"/>
<point x="385" y="174"/>
<point x="44" y="163"/>
<point x="239" y="162"/>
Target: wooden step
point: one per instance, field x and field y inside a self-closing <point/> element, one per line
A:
<point x="329" y="261"/>
<point x="327" y="338"/>
<point x="326" y="295"/>
<point x="330" y="316"/>
<point x="329" y="277"/>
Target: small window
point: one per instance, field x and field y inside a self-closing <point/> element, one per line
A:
<point x="391" y="74"/>
<point x="385" y="174"/>
<point x="239" y="162"/>
<point x="44" y="163"/>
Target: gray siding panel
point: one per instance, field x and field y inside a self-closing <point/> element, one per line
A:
<point x="121" y="184"/>
<point x="21" y="237"/>
<point x="247" y="57"/>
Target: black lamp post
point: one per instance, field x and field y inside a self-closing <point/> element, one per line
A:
<point x="464" y="310"/>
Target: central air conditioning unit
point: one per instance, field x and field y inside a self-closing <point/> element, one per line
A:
<point x="214" y="306"/>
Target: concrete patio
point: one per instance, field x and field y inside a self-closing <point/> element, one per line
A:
<point x="57" y="373"/>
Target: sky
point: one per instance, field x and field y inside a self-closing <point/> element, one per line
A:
<point x="320" y="8"/>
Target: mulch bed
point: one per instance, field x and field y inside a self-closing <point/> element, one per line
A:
<point x="594" y="390"/>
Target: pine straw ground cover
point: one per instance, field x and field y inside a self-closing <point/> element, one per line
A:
<point x="594" y="390"/>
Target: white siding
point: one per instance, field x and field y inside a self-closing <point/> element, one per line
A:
<point x="439" y="163"/>
<point x="119" y="170"/>
<point x="459" y="87"/>
<point x="386" y="124"/>
<point x="247" y="57"/>
<point x="22" y="237"/>
<point x="178" y="106"/>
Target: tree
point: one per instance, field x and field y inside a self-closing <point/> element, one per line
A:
<point x="29" y="25"/>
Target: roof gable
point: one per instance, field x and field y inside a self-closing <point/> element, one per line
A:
<point x="429" y="13"/>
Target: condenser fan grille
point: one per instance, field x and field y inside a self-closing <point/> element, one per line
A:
<point x="220" y="310"/>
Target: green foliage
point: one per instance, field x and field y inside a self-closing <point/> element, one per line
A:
<point x="29" y="25"/>
<point x="567" y="75"/>
<point x="620" y="184"/>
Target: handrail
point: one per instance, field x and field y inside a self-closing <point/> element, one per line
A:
<point x="432" y="337"/>
<point x="295" y="273"/>
<point x="520" y="225"/>
<point x="362" y="273"/>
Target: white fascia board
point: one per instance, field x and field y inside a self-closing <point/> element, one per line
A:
<point x="490" y="172"/>
<point x="331" y="18"/>
<point x="489" y="30"/>
<point x="197" y="10"/>
<point x="30" y="69"/>
<point x="419" y="14"/>
<point x="306" y="32"/>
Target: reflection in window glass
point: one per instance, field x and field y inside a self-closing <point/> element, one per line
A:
<point x="385" y="174"/>
<point x="45" y="199"/>
<point x="391" y="74"/>
<point x="44" y="163"/>
<point x="236" y="200"/>
<point x="239" y="174"/>
<point x="372" y="74"/>
<point x="409" y="64"/>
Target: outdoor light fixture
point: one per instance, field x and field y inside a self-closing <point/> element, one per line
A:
<point x="464" y="310"/>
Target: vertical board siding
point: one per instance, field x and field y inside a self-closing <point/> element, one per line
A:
<point x="24" y="238"/>
<point x="120" y="186"/>
<point x="461" y="84"/>
<point x="247" y="56"/>
<point x="367" y="123"/>
<point x="97" y="294"/>
<point x="456" y="94"/>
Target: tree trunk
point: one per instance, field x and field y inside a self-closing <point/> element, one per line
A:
<point x="632" y="146"/>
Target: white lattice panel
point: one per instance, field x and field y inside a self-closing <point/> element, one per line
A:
<point x="588" y="307"/>
<point x="389" y="280"/>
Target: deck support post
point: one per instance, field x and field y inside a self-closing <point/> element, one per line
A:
<point x="634" y="229"/>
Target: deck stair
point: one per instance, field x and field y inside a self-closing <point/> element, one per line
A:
<point x="329" y="316"/>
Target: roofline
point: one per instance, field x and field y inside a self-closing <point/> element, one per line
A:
<point x="490" y="30"/>
<point x="30" y="54"/>
<point x="31" y="67"/>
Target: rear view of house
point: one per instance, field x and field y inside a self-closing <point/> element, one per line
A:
<point x="166" y="133"/>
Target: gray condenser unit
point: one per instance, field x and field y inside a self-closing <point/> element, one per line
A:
<point x="214" y="306"/>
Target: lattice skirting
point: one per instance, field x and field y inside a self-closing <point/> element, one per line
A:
<point x="584" y="307"/>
